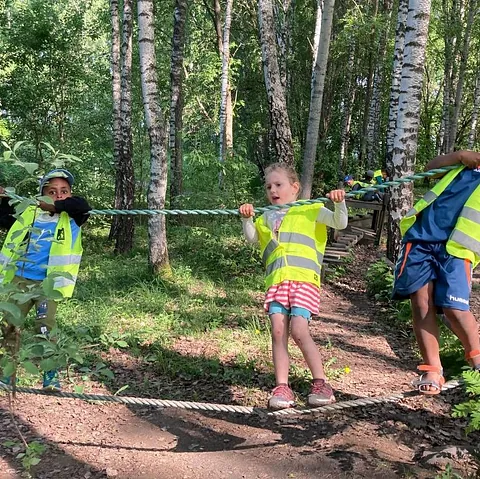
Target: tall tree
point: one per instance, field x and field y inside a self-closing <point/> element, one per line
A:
<point x="225" y="143"/>
<point x="406" y="135"/>
<point x="122" y="229"/>
<point x="396" y="78"/>
<point x="177" y="101"/>
<point x="156" y="125"/>
<point x="316" y="97"/>
<point x="277" y="104"/>
<point x="472" y="10"/>
<point x="476" y="105"/>
<point x="116" y="82"/>
<point x="373" y="124"/>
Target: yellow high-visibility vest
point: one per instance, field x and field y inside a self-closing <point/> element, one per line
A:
<point x="63" y="257"/>
<point x="297" y="253"/>
<point x="464" y="241"/>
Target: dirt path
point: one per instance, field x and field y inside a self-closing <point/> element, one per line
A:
<point x="88" y="441"/>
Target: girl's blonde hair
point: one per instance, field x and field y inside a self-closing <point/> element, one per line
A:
<point x="287" y="169"/>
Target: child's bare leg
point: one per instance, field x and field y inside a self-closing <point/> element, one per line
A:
<point x="281" y="363"/>
<point x="426" y="329"/>
<point x="465" y="327"/>
<point x="303" y="339"/>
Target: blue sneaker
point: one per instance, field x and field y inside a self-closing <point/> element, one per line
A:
<point x="6" y="380"/>
<point x="51" y="380"/>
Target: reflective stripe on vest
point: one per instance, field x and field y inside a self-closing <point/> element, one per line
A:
<point x="463" y="241"/>
<point x="64" y="258"/>
<point x="428" y="198"/>
<point x="294" y="256"/>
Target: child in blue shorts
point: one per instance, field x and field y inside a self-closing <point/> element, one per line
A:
<point x="440" y="249"/>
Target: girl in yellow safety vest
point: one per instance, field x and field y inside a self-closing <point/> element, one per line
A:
<point x="441" y="247"/>
<point x="292" y="243"/>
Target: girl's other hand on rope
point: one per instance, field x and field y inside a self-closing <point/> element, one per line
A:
<point x="337" y="196"/>
<point x="246" y="210"/>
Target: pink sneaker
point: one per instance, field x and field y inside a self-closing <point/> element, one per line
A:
<point x="282" y="397"/>
<point x="321" y="393"/>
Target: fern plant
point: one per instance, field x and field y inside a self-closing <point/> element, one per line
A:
<point x="470" y="409"/>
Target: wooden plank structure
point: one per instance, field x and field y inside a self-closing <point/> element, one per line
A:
<point x="341" y="242"/>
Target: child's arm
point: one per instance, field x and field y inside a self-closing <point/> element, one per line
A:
<point x="337" y="219"/>
<point x="75" y="206"/>
<point x="249" y="230"/>
<point x="471" y="159"/>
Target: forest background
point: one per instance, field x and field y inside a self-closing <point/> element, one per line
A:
<point x="229" y="87"/>
<point x="182" y="104"/>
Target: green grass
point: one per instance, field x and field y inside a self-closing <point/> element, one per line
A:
<point x="203" y="324"/>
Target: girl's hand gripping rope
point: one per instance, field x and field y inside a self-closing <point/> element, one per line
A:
<point x="246" y="210"/>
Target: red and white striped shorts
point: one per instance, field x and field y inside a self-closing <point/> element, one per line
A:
<point x="294" y="294"/>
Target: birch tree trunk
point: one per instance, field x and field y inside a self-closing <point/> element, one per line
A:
<point x="281" y="11"/>
<point x="228" y="124"/>
<point x="176" y="102"/>
<point x="225" y="55"/>
<point x="318" y="31"/>
<point x="348" y="101"/>
<point x="396" y="77"/>
<point x="116" y="88"/>
<point x="473" y="124"/>
<point x="122" y="229"/>
<point x="451" y="18"/>
<point x="408" y="118"/>
<point x="368" y="89"/>
<point x="373" y="126"/>
<point x="276" y="96"/>
<point x="156" y="125"/>
<point x="316" y="98"/>
<point x="461" y="73"/>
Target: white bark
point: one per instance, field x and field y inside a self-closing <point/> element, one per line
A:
<point x="396" y="76"/>
<point x="318" y="31"/>
<point x="348" y="101"/>
<point x="473" y="124"/>
<point x="225" y="83"/>
<point x="316" y="99"/>
<point x="156" y="125"/>
<point x="176" y="101"/>
<point x="116" y="88"/>
<point x="408" y="118"/>
<point x="283" y="37"/>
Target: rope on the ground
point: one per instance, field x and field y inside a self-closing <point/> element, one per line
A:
<point x="383" y="186"/>
<point x="199" y="406"/>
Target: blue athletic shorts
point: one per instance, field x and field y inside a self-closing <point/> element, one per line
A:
<point x="276" y="307"/>
<point x="421" y="263"/>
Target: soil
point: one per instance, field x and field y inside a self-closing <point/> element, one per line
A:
<point x="90" y="441"/>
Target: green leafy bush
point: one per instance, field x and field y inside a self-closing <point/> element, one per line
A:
<point x="379" y="281"/>
<point x="470" y="409"/>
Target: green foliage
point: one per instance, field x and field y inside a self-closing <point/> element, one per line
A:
<point x="31" y="456"/>
<point x="448" y="473"/>
<point x="471" y="408"/>
<point x="379" y="278"/>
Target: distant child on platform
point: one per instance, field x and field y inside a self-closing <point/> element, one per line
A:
<point x="292" y="242"/>
<point x="441" y="247"/>
<point x="52" y="244"/>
